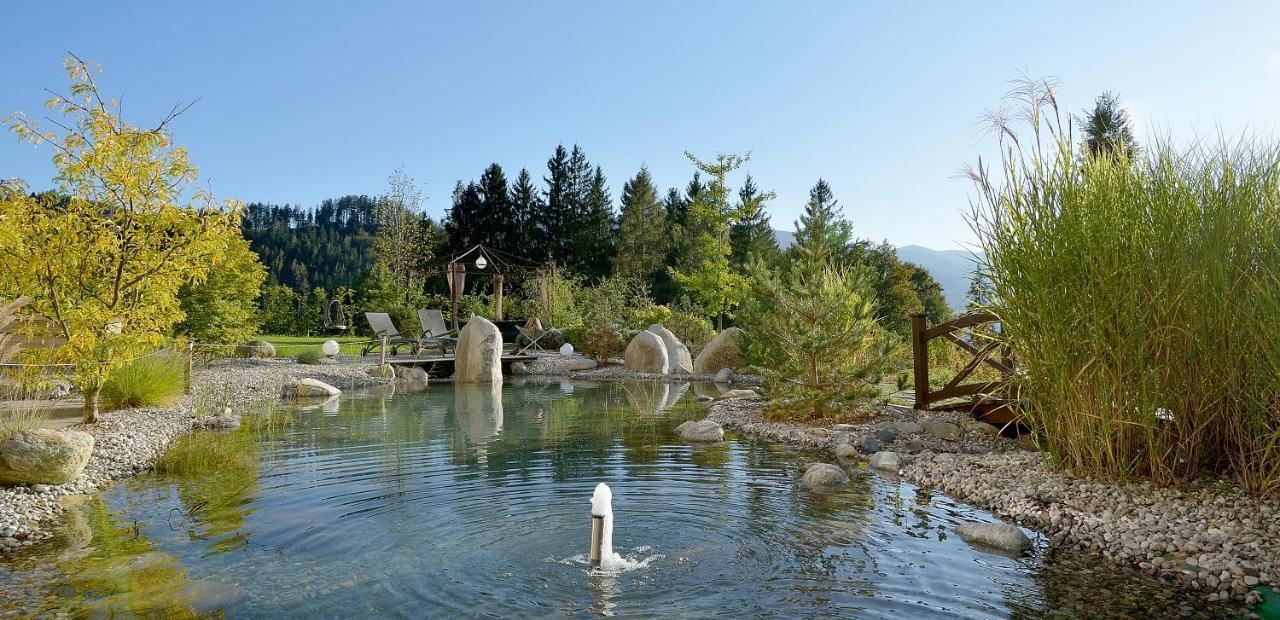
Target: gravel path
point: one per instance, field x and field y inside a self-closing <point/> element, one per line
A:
<point x="129" y="441"/>
<point x="1210" y="536"/>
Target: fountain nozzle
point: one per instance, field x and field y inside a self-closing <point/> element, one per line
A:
<point x="597" y="537"/>
<point x="601" y="524"/>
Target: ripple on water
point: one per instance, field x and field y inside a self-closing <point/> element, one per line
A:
<point x="453" y="502"/>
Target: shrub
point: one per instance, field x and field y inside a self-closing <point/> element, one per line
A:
<point x="153" y="380"/>
<point x="815" y="339"/>
<point x="1141" y="299"/>
<point x="308" y="356"/>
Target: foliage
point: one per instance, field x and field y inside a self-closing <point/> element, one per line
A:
<point x="814" y="337"/>
<point x="405" y="239"/>
<point x="751" y="237"/>
<point x="104" y="262"/>
<point x="929" y="292"/>
<point x="823" y="228"/>
<point x="709" y="277"/>
<point x="308" y="356"/>
<point x="643" y="232"/>
<point x="278" y="310"/>
<point x="221" y="309"/>
<point x="1108" y="130"/>
<point x="331" y="245"/>
<point x="149" y="381"/>
<point x="203" y="452"/>
<point x="1140" y="298"/>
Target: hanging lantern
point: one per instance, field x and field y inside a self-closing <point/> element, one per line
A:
<point x="481" y="263"/>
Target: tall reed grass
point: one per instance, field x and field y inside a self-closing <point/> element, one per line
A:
<point x="1141" y="298"/>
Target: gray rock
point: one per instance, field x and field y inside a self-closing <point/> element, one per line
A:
<point x="912" y="446"/>
<point x="871" y="444"/>
<point x="887" y="461"/>
<point x="722" y="352"/>
<point x="704" y="398"/>
<point x="411" y="379"/>
<point x="725" y="375"/>
<point x="519" y="369"/>
<point x="824" y="476"/>
<point x="578" y="362"/>
<point x="678" y="359"/>
<point x="479" y="352"/>
<point x="701" y="431"/>
<point x="41" y="488"/>
<point x="1001" y="536"/>
<point x="846" y="451"/>
<point x="907" y="427"/>
<point x="739" y="394"/>
<point x="885" y="435"/>
<point x="647" y="353"/>
<point x="255" y="348"/>
<point x="306" y="388"/>
<point x="44" y="456"/>
<point x="942" y="429"/>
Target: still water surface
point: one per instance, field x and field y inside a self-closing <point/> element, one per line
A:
<point x="471" y="501"/>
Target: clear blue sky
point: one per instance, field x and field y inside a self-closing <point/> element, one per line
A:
<point x="301" y="101"/>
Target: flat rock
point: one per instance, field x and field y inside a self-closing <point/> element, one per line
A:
<point x="942" y="429"/>
<point x="479" y="352"/>
<point x="701" y="431"/>
<point x="314" y="387"/>
<point x="1002" y="536"/>
<point x="44" y="456"/>
<point x="722" y="352"/>
<point x="647" y="353"/>
<point x="678" y="358"/>
<point x="887" y="461"/>
<point x="824" y="476"/>
<point x="739" y="394"/>
<point x="255" y="348"/>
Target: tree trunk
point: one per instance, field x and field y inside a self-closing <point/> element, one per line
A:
<point x="91" y="404"/>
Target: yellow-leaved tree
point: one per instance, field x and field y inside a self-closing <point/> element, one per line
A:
<point x="103" y="257"/>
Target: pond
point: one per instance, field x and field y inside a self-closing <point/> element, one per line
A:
<point x="471" y="501"/>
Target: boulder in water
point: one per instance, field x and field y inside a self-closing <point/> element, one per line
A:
<point x="647" y="353"/>
<point x="678" y="359"/>
<point x="314" y="387"/>
<point x="824" y="476"/>
<point x="886" y="461"/>
<point x="701" y="431"/>
<point x="479" y="358"/>
<point x="1002" y="536"/>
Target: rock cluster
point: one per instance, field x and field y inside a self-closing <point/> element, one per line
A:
<point x="657" y="351"/>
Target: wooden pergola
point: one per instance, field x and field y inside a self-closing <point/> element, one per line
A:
<point x="486" y="261"/>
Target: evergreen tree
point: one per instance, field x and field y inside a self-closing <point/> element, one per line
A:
<point x="1108" y="129"/>
<point x="707" y="273"/>
<point x="466" y="224"/>
<point x="526" y="210"/>
<point x="553" y="228"/>
<point x="752" y="235"/>
<point x="500" y="228"/>
<point x="822" y="226"/>
<point x="929" y="293"/>
<point x="593" y="231"/>
<point x="643" y="232"/>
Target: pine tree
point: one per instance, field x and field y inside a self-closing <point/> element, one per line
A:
<point x="593" y="231"/>
<point x="1108" y="129"/>
<point x="707" y="274"/>
<point x="643" y="233"/>
<point x="752" y="235"/>
<point x="499" y="223"/>
<point x="465" y="224"/>
<point x="526" y="209"/>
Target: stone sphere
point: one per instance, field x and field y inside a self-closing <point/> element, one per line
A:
<point x="330" y="347"/>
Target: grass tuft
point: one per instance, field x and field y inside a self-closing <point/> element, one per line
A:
<point x="152" y="381"/>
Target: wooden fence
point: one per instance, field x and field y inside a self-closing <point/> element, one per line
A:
<point x="986" y="400"/>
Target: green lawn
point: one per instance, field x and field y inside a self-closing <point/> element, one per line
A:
<point x="288" y="346"/>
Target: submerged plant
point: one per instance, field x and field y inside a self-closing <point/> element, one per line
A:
<point x="1140" y="298"/>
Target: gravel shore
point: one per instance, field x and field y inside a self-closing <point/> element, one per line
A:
<point x="1210" y="536"/>
<point x="129" y="441"/>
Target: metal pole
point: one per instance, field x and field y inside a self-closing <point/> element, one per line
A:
<point x="191" y="352"/>
<point x="382" y="360"/>
<point x="597" y="538"/>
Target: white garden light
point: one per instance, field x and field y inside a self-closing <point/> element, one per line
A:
<point x="330" y="347"/>
<point x="481" y="263"/>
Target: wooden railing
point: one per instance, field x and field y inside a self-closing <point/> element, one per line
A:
<point x="986" y="399"/>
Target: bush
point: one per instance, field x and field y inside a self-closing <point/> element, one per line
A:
<point x="151" y="381"/>
<point x="308" y="356"/>
<point x="1141" y="299"/>
<point x="815" y="339"/>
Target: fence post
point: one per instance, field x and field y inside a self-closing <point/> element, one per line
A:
<point x="382" y="358"/>
<point x="191" y="352"/>
<point x="920" y="357"/>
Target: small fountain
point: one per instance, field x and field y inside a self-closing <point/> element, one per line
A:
<point x="601" y="552"/>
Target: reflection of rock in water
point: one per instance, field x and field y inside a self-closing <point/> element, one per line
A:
<point x="478" y="407"/>
<point x="653" y="396"/>
<point x="709" y="389"/>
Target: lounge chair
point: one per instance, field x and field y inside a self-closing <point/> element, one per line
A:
<point x="380" y="323"/>
<point x="435" y="332"/>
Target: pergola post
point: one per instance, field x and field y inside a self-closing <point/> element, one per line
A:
<point x="456" y="273"/>
<point x="497" y="296"/>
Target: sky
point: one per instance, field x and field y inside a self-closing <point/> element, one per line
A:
<point x="302" y="101"/>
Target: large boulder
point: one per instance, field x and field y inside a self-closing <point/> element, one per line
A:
<point x="722" y="352"/>
<point x="256" y="348"/>
<point x="647" y="353"/>
<point x="1002" y="536"/>
<point x="887" y="461"/>
<point x="824" y="476"/>
<point x="411" y="379"/>
<point x="479" y="358"/>
<point x="678" y="359"/>
<point x="308" y="388"/>
<point x="44" y="456"/>
<point x="701" y="431"/>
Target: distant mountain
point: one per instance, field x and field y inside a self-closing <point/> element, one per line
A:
<point x="951" y="268"/>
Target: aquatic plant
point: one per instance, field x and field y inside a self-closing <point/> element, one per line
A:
<point x="1140" y="297"/>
